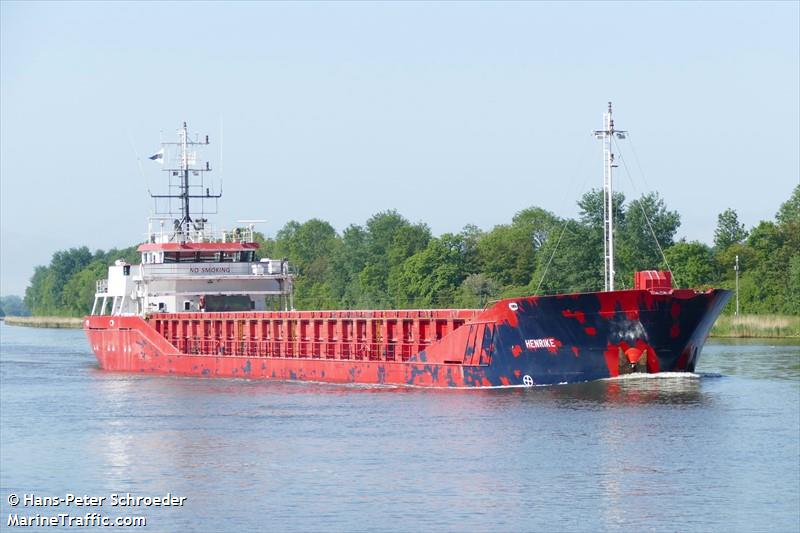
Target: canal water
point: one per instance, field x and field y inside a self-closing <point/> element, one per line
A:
<point x="716" y="451"/>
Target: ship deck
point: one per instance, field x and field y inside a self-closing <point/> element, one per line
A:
<point x="374" y="335"/>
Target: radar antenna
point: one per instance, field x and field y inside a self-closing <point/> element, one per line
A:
<point x="184" y="164"/>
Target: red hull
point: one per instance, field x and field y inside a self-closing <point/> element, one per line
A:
<point x="131" y="344"/>
<point x="525" y="341"/>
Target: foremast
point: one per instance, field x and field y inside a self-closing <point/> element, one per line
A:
<point x="607" y="135"/>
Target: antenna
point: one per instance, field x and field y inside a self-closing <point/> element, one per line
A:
<point x="607" y="134"/>
<point x="185" y="164"/>
<point x="221" y="168"/>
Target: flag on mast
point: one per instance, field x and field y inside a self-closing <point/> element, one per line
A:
<point x="158" y="156"/>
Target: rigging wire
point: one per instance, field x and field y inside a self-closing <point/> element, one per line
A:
<point x="221" y="171"/>
<point x="567" y="190"/>
<point x="638" y="165"/>
<point x="138" y="160"/>
<point x="641" y="206"/>
<point x="547" y="266"/>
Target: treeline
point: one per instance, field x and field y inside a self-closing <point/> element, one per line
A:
<point x="390" y="262"/>
<point x="13" y="305"/>
<point x="66" y="287"/>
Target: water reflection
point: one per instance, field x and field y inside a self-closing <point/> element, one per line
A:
<point x="665" y="388"/>
<point x="675" y="389"/>
<point x="640" y="453"/>
<point x="757" y="358"/>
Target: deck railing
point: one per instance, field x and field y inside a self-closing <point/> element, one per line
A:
<point x="207" y="233"/>
<point x="301" y="349"/>
<point x="101" y="286"/>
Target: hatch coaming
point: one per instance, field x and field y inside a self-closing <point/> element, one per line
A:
<point x="428" y="336"/>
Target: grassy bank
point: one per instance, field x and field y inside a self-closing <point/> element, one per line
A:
<point x="45" y="321"/>
<point x="764" y="326"/>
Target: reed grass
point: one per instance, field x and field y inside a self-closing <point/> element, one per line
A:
<point x="763" y="326"/>
<point x="45" y="321"/>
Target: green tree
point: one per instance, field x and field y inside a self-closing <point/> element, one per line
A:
<point x="390" y="240"/>
<point x="574" y="261"/>
<point x="498" y="256"/>
<point x="729" y="230"/>
<point x="347" y="261"/>
<point x="305" y="243"/>
<point x="508" y="253"/>
<point x="310" y="247"/>
<point x="763" y="285"/>
<point x="792" y="304"/>
<point x="583" y="251"/>
<point x="266" y="246"/>
<point x="475" y="291"/>
<point x="13" y="305"/>
<point x="62" y="267"/>
<point x="471" y="235"/>
<point x="392" y="262"/>
<point x="788" y="218"/>
<point x="647" y="225"/>
<point x="789" y="211"/>
<point x="52" y="290"/>
<point x="430" y="277"/>
<point x="692" y="264"/>
<point x="79" y="291"/>
<point x="591" y="209"/>
<point x="36" y="298"/>
<point x="725" y="260"/>
<point x="570" y="261"/>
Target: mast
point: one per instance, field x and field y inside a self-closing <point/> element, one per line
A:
<point x="184" y="136"/>
<point x="187" y="164"/>
<point x="607" y="135"/>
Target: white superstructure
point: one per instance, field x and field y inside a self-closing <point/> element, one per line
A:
<point x="188" y="267"/>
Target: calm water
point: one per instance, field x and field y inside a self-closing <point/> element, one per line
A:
<point x="716" y="452"/>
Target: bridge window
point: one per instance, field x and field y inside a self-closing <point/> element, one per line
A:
<point x="246" y="256"/>
<point x="229" y="303"/>
<point x="207" y="257"/>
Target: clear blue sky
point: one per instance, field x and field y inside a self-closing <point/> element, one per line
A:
<point x="452" y="113"/>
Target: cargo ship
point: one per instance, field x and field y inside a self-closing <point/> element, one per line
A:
<point x="203" y="303"/>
